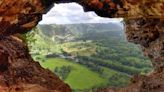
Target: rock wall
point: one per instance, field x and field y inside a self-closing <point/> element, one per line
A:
<point x="19" y="73"/>
<point x="125" y="8"/>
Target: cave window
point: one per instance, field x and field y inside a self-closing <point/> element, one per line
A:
<point x="85" y="50"/>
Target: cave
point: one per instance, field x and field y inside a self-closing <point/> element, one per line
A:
<point x="19" y="73"/>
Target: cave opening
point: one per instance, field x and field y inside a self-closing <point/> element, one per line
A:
<point x="86" y="51"/>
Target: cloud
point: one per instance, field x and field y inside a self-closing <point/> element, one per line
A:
<point x="70" y="13"/>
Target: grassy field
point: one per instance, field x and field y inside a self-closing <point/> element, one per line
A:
<point x="80" y="77"/>
<point x="80" y="48"/>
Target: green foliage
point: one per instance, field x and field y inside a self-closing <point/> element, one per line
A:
<point x="30" y="37"/>
<point x="119" y="77"/>
<point x="63" y="71"/>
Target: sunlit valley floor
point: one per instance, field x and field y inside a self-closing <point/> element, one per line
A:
<point x="87" y="56"/>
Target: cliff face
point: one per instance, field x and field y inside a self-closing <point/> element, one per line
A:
<point x="19" y="73"/>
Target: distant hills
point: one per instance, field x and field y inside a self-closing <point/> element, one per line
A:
<point x="87" y="26"/>
<point x="71" y="32"/>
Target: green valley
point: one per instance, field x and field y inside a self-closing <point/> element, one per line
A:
<point x="88" y="56"/>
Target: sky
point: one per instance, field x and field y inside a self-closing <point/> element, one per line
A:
<point x="71" y="13"/>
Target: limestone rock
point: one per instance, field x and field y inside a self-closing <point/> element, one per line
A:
<point x="125" y="8"/>
<point x="19" y="73"/>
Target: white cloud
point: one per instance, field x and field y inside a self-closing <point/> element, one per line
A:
<point x="70" y="13"/>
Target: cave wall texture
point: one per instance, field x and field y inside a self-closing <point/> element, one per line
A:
<point x="144" y="21"/>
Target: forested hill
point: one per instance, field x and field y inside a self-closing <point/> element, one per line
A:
<point x="88" y="31"/>
<point x="86" y="26"/>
